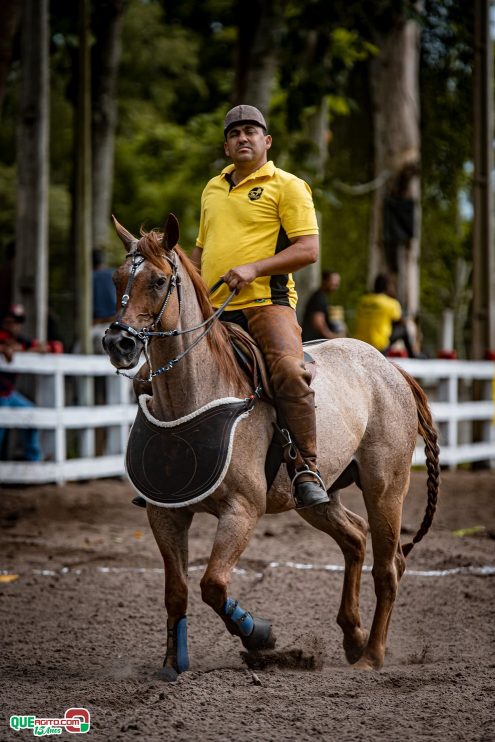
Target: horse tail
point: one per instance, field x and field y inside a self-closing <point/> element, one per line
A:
<point x="429" y="435"/>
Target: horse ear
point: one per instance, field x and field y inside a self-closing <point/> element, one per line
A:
<point x="170" y="233"/>
<point x="127" y="238"/>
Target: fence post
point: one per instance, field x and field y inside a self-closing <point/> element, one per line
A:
<point x="448" y="391"/>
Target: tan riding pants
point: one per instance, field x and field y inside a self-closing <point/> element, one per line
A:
<point x="277" y="332"/>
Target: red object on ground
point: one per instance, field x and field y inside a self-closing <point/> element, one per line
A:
<point x="397" y="353"/>
<point x="449" y="355"/>
<point x="490" y="355"/>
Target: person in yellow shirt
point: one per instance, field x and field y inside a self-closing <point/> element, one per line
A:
<point x="379" y="319"/>
<point x="257" y="227"/>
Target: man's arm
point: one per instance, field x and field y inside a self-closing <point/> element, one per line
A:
<point x="318" y="323"/>
<point x="302" y="252"/>
<point x="196" y="257"/>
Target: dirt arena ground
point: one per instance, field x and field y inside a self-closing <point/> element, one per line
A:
<point x="82" y="624"/>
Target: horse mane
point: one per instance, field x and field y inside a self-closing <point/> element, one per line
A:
<point x="151" y="248"/>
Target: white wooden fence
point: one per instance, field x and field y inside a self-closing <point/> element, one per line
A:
<point x="84" y="411"/>
<point x="462" y="400"/>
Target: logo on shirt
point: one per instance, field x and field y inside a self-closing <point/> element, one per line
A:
<point x="255" y="193"/>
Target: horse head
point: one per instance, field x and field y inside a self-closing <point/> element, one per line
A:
<point x="144" y="283"/>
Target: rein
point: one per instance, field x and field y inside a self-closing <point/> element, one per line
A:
<point x="145" y="333"/>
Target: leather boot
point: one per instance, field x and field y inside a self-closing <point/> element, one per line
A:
<point x="308" y="489"/>
<point x="277" y="332"/>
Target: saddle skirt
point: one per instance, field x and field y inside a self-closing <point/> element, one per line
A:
<point x="181" y="462"/>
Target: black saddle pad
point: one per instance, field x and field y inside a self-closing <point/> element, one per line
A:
<point x="182" y="462"/>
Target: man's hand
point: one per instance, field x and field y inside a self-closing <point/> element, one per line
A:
<point x="242" y="275"/>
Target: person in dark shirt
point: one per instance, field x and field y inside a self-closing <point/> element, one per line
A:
<point x="11" y="341"/>
<point x="104" y="299"/>
<point x="317" y="324"/>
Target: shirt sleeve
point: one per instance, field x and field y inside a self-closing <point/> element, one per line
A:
<point x="296" y="209"/>
<point x="200" y="239"/>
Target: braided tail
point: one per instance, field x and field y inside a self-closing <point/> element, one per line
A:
<point x="429" y="435"/>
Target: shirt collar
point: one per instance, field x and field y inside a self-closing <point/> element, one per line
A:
<point x="266" y="171"/>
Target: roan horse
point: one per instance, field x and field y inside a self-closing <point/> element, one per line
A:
<point x="368" y="411"/>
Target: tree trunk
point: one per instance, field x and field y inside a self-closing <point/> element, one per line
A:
<point x="82" y="200"/>
<point x="106" y="25"/>
<point x="316" y="131"/>
<point x="10" y="11"/>
<point x="31" y="261"/>
<point x="483" y="277"/>
<point x="395" y="98"/>
<point x="259" y="32"/>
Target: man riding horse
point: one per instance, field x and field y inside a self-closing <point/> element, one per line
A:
<point x="258" y="226"/>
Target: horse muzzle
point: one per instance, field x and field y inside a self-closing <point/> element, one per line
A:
<point x="122" y="348"/>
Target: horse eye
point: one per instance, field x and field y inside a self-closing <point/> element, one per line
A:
<point x="160" y="282"/>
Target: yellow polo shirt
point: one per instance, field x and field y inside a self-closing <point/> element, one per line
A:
<point x="252" y="221"/>
<point x="374" y="317"/>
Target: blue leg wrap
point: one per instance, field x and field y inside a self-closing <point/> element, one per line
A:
<point x="181" y="638"/>
<point x="243" y="620"/>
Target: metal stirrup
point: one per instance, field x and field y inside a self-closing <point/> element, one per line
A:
<point x="306" y="471"/>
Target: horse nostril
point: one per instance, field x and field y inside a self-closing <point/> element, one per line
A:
<point x="125" y="344"/>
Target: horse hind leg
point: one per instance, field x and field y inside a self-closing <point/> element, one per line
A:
<point x="384" y="508"/>
<point x="349" y="531"/>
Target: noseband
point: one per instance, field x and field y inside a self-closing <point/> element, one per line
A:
<point x="146" y="333"/>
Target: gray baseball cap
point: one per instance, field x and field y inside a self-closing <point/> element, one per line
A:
<point x="244" y="115"/>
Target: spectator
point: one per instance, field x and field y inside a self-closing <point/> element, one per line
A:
<point x="104" y="299"/>
<point x="11" y="341"/>
<point x="379" y="320"/>
<point x="317" y="322"/>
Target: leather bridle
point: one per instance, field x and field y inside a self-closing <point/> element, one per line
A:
<point x="146" y="333"/>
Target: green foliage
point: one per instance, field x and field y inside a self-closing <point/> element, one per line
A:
<point x="175" y="83"/>
<point x="163" y="167"/>
<point x="7" y="212"/>
<point x="447" y="141"/>
<point x="169" y="138"/>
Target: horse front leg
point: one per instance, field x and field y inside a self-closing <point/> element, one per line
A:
<point x="235" y="527"/>
<point x="170" y="529"/>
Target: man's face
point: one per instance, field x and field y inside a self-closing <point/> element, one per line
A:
<point x="247" y="144"/>
<point x="331" y="282"/>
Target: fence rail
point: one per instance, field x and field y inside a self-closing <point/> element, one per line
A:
<point x="84" y="412"/>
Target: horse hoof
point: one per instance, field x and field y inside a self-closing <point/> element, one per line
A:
<point x="261" y="637"/>
<point x="353" y="654"/>
<point x="168" y="674"/>
<point x="354" y="650"/>
<point x="367" y="665"/>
